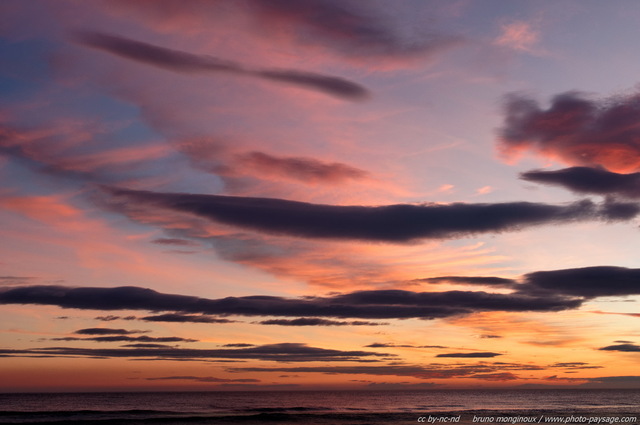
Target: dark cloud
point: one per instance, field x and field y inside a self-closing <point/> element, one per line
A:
<point x="585" y="282"/>
<point x="484" y="371"/>
<point x="471" y="355"/>
<point x="314" y="321"/>
<point x="184" y="318"/>
<point x="472" y="280"/>
<point x="575" y="365"/>
<point x="178" y="61"/>
<point x="200" y="379"/>
<point x="376" y="304"/>
<point x="111" y="318"/>
<point x="390" y="345"/>
<point x="630" y="348"/>
<point x="16" y="280"/>
<point x="489" y="336"/>
<point x="128" y="338"/>
<point x="348" y="29"/>
<point x="174" y="242"/>
<point x="589" y="180"/>
<point x="498" y="376"/>
<point x="308" y="170"/>
<point x="285" y="352"/>
<point x="143" y="345"/>
<point x="389" y="223"/>
<point x="576" y="130"/>
<point x="239" y="345"/>
<point x="106" y="331"/>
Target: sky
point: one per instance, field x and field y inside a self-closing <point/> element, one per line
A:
<point x="319" y="194"/>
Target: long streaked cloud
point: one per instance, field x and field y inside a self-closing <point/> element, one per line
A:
<point x="121" y="338"/>
<point x="284" y="352"/>
<point x="575" y="130"/>
<point x="485" y="371"/>
<point x="178" y="61"/>
<point x="470" y="355"/>
<point x="308" y="170"/>
<point x="551" y="290"/>
<point x="588" y="282"/>
<point x="199" y="379"/>
<point x="589" y="180"/>
<point x="392" y="345"/>
<point x="185" y="318"/>
<point x="627" y="348"/>
<point x="376" y="304"/>
<point x="107" y="331"/>
<point x="493" y="281"/>
<point x="315" y="321"/>
<point x="388" y="223"/>
<point x="15" y="280"/>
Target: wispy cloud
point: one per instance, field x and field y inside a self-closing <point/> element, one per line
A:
<point x="285" y="352"/>
<point x="347" y="28"/>
<point x="520" y="36"/>
<point x="184" y="62"/>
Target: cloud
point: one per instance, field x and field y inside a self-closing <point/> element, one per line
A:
<point x="628" y="348"/>
<point x="589" y="180"/>
<point x="498" y="376"/>
<point x="389" y="223"/>
<point x="15" y="280"/>
<point x="390" y="345"/>
<point x="111" y="318"/>
<point x="143" y="345"/>
<point x="106" y="331"/>
<point x="178" y="61"/>
<point x="174" y="242"/>
<point x="519" y="36"/>
<point x="284" y="352"/>
<point x="574" y="365"/>
<point x="472" y="280"/>
<point x="200" y="379"/>
<point x="588" y="282"/>
<point x="223" y="159"/>
<point x="617" y="314"/>
<point x="314" y="321"/>
<point x="239" y="345"/>
<point x="575" y="130"/>
<point x="346" y="28"/>
<point x="184" y="318"/>
<point x="128" y="338"/>
<point x="74" y="151"/>
<point x="375" y="304"/>
<point x="307" y="170"/>
<point x="485" y="371"/>
<point x="470" y="355"/>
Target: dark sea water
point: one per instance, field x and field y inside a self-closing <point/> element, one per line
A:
<point x="326" y="407"/>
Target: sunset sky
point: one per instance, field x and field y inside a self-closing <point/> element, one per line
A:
<point x="319" y="194"/>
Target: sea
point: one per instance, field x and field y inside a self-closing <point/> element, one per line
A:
<point x="522" y="406"/>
